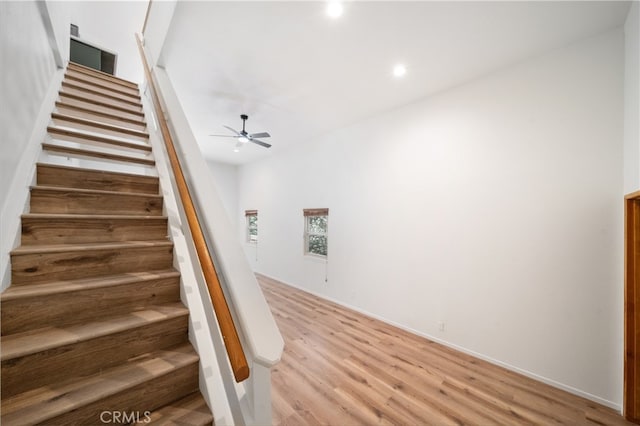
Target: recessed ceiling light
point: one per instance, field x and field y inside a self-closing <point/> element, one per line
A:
<point x="236" y="150"/>
<point x="334" y="9"/>
<point x="399" y="70"/>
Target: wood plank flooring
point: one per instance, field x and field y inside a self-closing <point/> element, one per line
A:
<point x="342" y="368"/>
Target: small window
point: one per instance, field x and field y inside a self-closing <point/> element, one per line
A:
<point x="252" y="225"/>
<point x="316" y="223"/>
<point x="90" y="56"/>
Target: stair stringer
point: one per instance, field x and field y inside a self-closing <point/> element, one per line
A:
<point x="204" y="332"/>
<point x="17" y="201"/>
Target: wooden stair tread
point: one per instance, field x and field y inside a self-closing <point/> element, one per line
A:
<point x="103" y="175"/>
<point x="64" y="302"/>
<point x="106" y="139"/>
<point x="62" y="248"/>
<point x="100" y="80"/>
<point x="91" y="132"/>
<point x="66" y="200"/>
<point x="97" y="154"/>
<point x="33" y="341"/>
<point x="191" y="410"/>
<point x="71" y="217"/>
<point x="82" y="88"/>
<point x="71" y="286"/>
<point x="100" y="125"/>
<point x="93" y="191"/>
<point x="129" y="110"/>
<point x="96" y="107"/>
<point x="99" y="113"/>
<point x="120" y="91"/>
<point x="48" y="402"/>
<point x="63" y="168"/>
<point x="69" y="228"/>
<point x="85" y="78"/>
<point x="97" y="73"/>
<point x="91" y="216"/>
<point x="36" y="264"/>
<point x="100" y="99"/>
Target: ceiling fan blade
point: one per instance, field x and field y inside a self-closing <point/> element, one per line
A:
<point x="266" y="145"/>
<point x="233" y="130"/>
<point x="260" y="135"/>
<point x="224" y="136"/>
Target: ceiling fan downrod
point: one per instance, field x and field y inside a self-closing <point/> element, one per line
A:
<point x="244" y="118"/>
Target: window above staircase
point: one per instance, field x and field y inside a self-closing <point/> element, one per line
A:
<point x="92" y="56"/>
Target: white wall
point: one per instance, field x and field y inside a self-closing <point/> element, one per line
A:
<point x="58" y="14"/>
<point x="28" y="81"/>
<point x="494" y="207"/>
<point x="632" y="101"/>
<point x="27" y="69"/>
<point x="225" y="178"/>
<point x="158" y="26"/>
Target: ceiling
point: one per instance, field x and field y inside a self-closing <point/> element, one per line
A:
<point x="299" y="74"/>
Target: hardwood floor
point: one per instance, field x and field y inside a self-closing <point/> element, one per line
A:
<point x="340" y="368"/>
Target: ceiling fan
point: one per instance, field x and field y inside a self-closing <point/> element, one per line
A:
<point x="244" y="137"/>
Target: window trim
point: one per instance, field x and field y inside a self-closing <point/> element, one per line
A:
<point x="317" y="212"/>
<point x="248" y="214"/>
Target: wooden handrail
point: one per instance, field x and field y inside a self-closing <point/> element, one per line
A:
<point x="229" y="333"/>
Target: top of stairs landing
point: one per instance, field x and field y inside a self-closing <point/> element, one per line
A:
<point x="100" y="74"/>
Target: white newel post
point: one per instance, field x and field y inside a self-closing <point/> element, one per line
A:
<point x="259" y="395"/>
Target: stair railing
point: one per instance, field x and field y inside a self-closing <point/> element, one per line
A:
<point x="254" y="323"/>
<point x="236" y="354"/>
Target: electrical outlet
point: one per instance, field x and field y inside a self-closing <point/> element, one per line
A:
<point x="441" y="325"/>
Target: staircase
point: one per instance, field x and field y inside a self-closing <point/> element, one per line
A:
<point x="93" y="330"/>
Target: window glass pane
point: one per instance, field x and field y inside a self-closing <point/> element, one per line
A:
<point x="86" y="55"/>
<point x="252" y="229"/>
<point x="318" y="245"/>
<point x="317" y="224"/>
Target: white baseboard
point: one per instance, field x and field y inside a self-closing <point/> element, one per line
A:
<point x="546" y="380"/>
